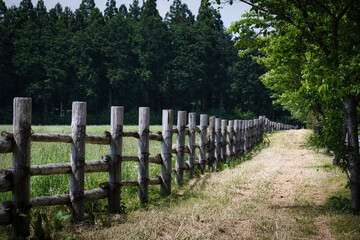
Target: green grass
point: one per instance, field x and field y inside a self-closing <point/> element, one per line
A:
<point x="279" y="194"/>
<point x="45" y="153"/>
<point x="286" y="191"/>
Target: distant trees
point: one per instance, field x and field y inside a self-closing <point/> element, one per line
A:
<point x="124" y="56"/>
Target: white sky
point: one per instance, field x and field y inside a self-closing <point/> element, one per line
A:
<point x="229" y="13"/>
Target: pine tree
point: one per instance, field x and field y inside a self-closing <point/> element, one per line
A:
<point x="151" y="47"/>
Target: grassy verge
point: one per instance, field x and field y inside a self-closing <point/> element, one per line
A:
<point x="44" y="153"/>
<point x="287" y="191"/>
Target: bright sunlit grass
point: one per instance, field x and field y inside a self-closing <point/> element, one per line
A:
<point x="45" y="153"/>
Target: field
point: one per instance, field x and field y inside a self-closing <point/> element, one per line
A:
<point x="44" y="153"/>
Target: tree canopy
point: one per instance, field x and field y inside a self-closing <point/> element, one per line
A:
<point x="312" y="55"/>
<point x="125" y="56"/>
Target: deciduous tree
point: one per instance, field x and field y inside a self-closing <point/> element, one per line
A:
<point x="311" y="49"/>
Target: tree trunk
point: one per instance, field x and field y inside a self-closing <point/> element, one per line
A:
<point x="350" y="104"/>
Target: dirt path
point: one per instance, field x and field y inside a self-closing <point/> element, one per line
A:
<point x="280" y="194"/>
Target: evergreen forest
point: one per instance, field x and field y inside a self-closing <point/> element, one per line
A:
<point x="128" y="56"/>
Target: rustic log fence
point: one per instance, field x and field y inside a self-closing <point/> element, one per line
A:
<point x="219" y="141"/>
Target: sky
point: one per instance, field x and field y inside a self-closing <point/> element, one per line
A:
<point x="229" y="13"/>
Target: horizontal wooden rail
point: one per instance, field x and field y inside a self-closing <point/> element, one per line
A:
<point x="64" y="199"/>
<point x="61" y="137"/>
<point x="187" y="165"/>
<point x="5" y="184"/>
<point x="133" y="183"/>
<point x="65" y="168"/>
<point x="5" y="146"/>
<point x="66" y="138"/>
<point x="90" y="195"/>
<point x="5" y="217"/>
<point x="152" y="136"/>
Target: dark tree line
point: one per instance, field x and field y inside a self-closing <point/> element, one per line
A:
<point x="125" y="56"/>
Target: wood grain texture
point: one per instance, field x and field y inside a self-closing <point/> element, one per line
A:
<point x="203" y="141"/>
<point x="180" y="147"/>
<point x="143" y="154"/>
<point x="77" y="159"/>
<point x="166" y="151"/>
<point x="21" y="167"/>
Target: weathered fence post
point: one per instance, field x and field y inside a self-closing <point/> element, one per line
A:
<point x="191" y="154"/>
<point x="269" y="126"/>
<point x="211" y="155"/>
<point x="266" y="126"/>
<point x="77" y="175"/>
<point x="116" y="128"/>
<point x="231" y="139"/>
<point x="202" y="143"/>
<point x="257" y="127"/>
<point x="217" y="142"/>
<point x="166" y="148"/>
<point x="262" y="128"/>
<point x="252" y="134"/>
<point x="180" y="147"/>
<point x="143" y="154"/>
<point x="256" y="131"/>
<point x="21" y="167"/>
<point x="223" y="140"/>
<point x="246" y="137"/>
<point x="236" y="138"/>
<point x="241" y="137"/>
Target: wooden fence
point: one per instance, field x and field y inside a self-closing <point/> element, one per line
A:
<point x="219" y="141"/>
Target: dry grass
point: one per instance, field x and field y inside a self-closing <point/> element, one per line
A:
<point x="284" y="192"/>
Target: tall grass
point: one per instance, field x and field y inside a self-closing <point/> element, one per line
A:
<point x="45" y="153"/>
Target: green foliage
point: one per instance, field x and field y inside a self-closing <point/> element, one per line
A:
<point x="60" y="217"/>
<point x="42" y="226"/>
<point x="130" y="57"/>
<point x="339" y="203"/>
<point x="305" y="49"/>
